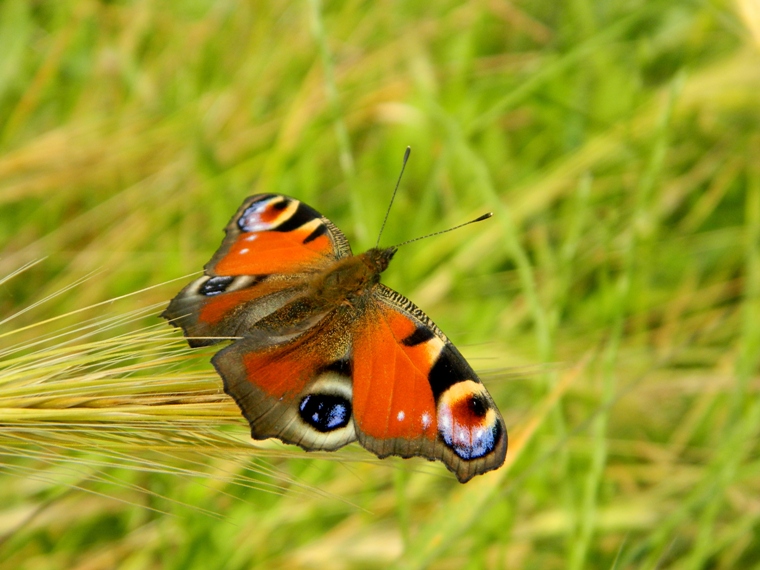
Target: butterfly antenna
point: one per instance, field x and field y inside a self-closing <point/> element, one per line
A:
<point x="407" y="152"/>
<point x="478" y="219"/>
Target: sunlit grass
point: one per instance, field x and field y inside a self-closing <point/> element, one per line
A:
<point x="611" y="305"/>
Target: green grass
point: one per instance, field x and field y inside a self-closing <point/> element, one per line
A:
<point x="612" y="306"/>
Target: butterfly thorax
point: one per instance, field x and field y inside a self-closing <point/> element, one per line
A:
<point x="346" y="283"/>
<point x="352" y="277"/>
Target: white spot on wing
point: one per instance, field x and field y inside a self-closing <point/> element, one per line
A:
<point x="400" y="416"/>
<point x="244" y="251"/>
<point x="426" y="419"/>
<point x="444" y="420"/>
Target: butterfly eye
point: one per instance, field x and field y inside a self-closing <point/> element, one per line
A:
<point x="325" y="412"/>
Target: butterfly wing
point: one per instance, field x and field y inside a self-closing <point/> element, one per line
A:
<point x="382" y="373"/>
<point x="272" y="244"/>
<point x="272" y="233"/>
<point x="414" y="394"/>
<point x="295" y="389"/>
<point x="321" y="372"/>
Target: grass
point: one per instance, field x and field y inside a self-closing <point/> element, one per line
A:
<point x="612" y="306"/>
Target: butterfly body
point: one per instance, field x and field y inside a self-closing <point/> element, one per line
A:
<point x="352" y="278"/>
<point x="325" y="354"/>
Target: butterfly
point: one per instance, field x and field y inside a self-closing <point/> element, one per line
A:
<point x="323" y="354"/>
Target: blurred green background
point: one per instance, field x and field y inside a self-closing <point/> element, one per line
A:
<point x="611" y="306"/>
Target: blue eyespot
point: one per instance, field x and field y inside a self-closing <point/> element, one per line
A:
<point x="325" y="412"/>
<point x="215" y="285"/>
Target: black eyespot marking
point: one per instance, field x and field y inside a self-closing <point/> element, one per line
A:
<point x="342" y="367"/>
<point x="280" y="206"/>
<point x="303" y="214"/>
<point x="420" y="335"/>
<point x="325" y="412"/>
<point x="215" y="286"/>
<point x="320" y="231"/>
<point x="478" y="407"/>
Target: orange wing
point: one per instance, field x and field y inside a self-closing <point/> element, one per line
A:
<point x="272" y="233"/>
<point x="414" y="393"/>
<point x="297" y="389"/>
<point x="272" y="244"/>
<point x="379" y="372"/>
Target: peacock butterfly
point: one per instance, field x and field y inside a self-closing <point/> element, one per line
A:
<point x="324" y="354"/>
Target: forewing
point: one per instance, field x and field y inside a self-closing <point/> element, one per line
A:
<point x="213" y="309"/>
<point x="272" y="233"/>
<point x="272" y="244"/>
<point x="415" y="394"/>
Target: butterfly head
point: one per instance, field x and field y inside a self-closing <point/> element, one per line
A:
<point x="378" y="259"/>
